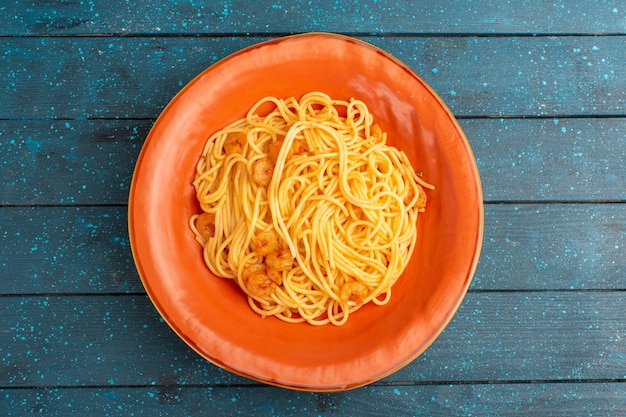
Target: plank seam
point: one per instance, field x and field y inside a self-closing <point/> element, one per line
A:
<point x="375" y="34"/>
<point x="458" y="117"/>
<point x="376" y="384"/>
<point x="485" y="202"/>
<point x="551" y="202"/>
<point x="469" y="291"/>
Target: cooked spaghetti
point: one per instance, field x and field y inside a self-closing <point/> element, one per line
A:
<point x="307" y="208"/>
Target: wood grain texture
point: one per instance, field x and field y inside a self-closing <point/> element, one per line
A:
<point x="135" y="77"/>
<point x="577" y="246"/>
<point x="495" y="337"/>
<point x="539" y="90"/>
<point x="485" y="400"/>
<point x="522" y="160"/>
<point x="85" y="250"/>
<point x="542" y="160"/>
<point x="56" y="250"/>
<point x="25" y="17"/>
<point x="68" y="162"/>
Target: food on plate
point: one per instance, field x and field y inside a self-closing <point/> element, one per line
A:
<point x="307" y="208"/>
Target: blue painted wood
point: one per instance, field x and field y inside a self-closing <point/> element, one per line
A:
<point x="96" y="340"/>
<point x="135" y="77"/>
<point x="538" y="87"/>
<point x="85" y="250"/>
<point x="102" y="77"/>
<point x="486" y="400"/>
<point x="68" y="162"/>
<point x="92" y="161"/>
<point x="57" y="250"/>
<point x="555" y="159"/>
<point x="553" y="247"/>
<point x="25" y="17"/>
<point x="504" y="337"/>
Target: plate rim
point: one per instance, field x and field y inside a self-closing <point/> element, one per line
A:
<point x="477" y="245"/>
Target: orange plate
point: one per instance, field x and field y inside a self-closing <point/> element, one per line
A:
<point x="211" y="314"/>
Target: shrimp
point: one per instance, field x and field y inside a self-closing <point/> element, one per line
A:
<point x="353" y="291"/>
<point x="280" y="260"/>
<point x="376" y="131"/>
<point x="275" y="275"/>
<point x="275" y="150"/>
<point x="421" y="199"/>
<point x="265" y="242"/>
<point x="258" y="282"/>
<point x="276" y="262"/>
<point x="297" y="147"/>
<point x="262" y="171"/>
<point x="205" y="224"/>
<point x="234" y="142"/>
<point x="410" y="195"/>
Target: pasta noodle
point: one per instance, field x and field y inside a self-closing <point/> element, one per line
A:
<point x="307" y="208"/>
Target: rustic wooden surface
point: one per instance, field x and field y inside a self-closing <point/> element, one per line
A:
<point x="540" y="90"/>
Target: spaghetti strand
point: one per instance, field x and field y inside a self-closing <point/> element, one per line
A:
<point x="307" y="208"/>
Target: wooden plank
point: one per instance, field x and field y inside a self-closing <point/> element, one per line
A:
<point x="68" y="162"/>
<point x="96" y="340"/>
<point x="532" y="337"/>
<point x="551" y="399"/>
<point x="102" y="77"/>
<point x="135" y="77"/>
<point x="499" y="337"/>
<point x="56" y="250"/>
<point x="576" y="246"/>
<point x="550" y="159"/>
<point x="92" y="161"/>
<point x="85" y="250"/>
<point x="25" y="17"/>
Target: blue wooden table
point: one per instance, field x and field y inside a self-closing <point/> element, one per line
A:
<point x="540" y="90"/>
